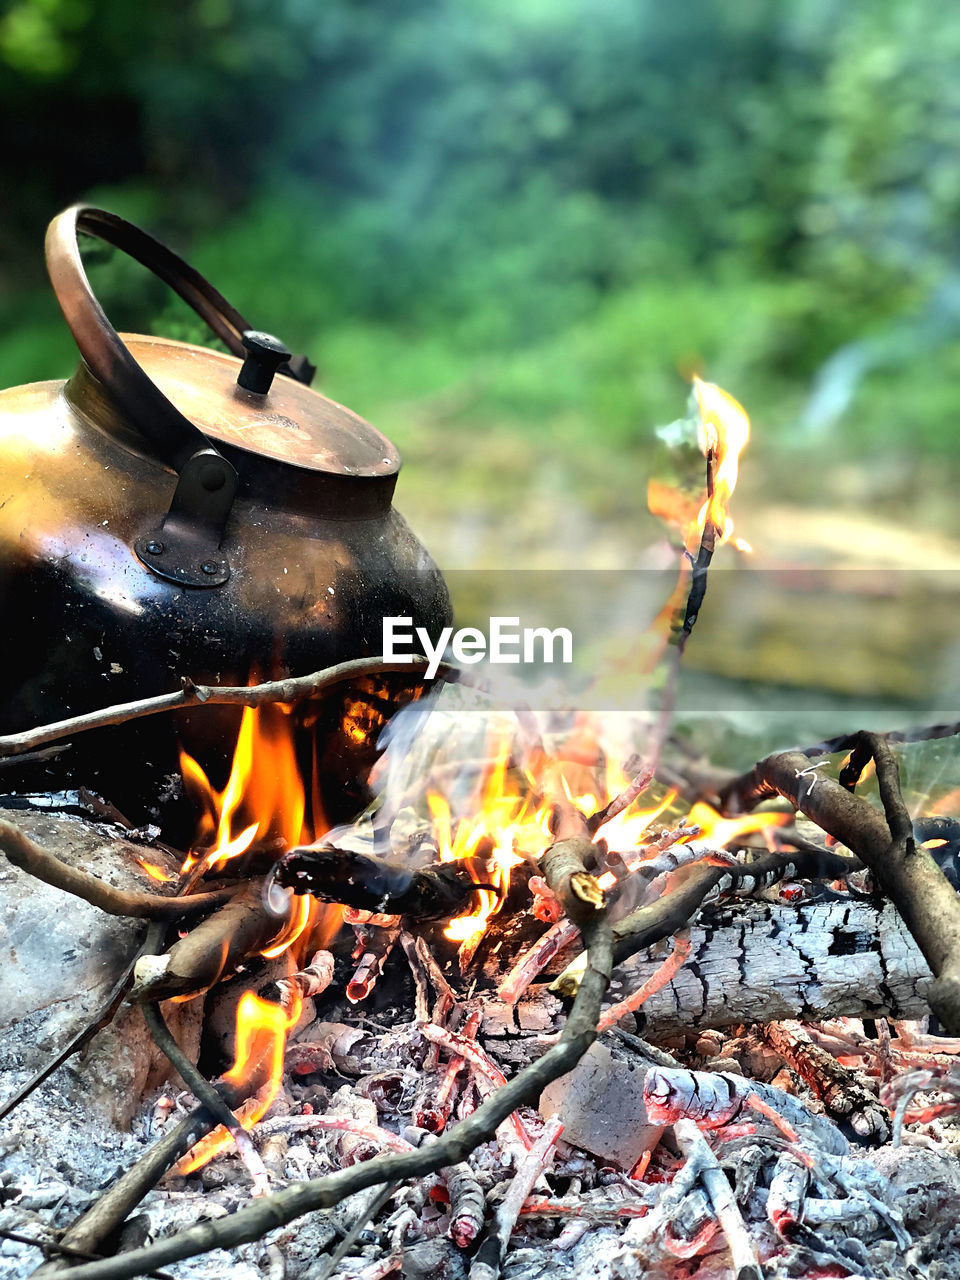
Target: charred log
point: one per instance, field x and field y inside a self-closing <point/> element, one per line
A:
<point x="367" y="883"/>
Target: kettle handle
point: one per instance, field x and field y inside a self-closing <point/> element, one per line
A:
<point x="184" y="547"/>
<point x="176" y="438"/>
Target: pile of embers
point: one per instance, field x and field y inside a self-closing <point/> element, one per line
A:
<point x="437" y="1077"/>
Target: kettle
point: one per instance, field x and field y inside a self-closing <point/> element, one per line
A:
<point x="173" y="511"/>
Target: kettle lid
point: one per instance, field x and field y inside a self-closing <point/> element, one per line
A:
<point x="289" y="423"/>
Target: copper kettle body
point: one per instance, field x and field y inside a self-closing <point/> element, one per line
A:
<point x="174" y="511"/>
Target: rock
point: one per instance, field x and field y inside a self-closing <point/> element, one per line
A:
<point x="601" y="1105"/>
<point x="63" y="957"/>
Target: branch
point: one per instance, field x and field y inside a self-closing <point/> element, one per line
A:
<point x="193" y="695"/>
<point x="908" y="876"/>
<point x="46" y="866"/>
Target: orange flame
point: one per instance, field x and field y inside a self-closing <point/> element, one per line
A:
<point x="264" y="799"/>
<point x="155" y="872"/>
<point x="262" y="1029"/>
<point x="720" y="831"/>
<point x="724" y="432"/>
<point x="504" y="811"/>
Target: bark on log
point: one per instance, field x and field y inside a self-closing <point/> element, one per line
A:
<point x="755" y="962"/>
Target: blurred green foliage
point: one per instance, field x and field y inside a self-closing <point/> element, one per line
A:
<point x="535" y="214"/>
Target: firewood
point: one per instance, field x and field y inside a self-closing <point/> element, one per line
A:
<point x="363" y="881"/>
<point x="197" y="961"/>
<point x="757" y="962"/>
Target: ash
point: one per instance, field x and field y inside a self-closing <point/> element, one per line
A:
<point x="373" y="1079"/>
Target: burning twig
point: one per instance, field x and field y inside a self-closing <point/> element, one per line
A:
<point x="46" y="866"/>
<point x="285" y="1206"/>
<point x="308" y="982"/>
<point x="467" y="1202"/>
<point x="213" y="948"/>
<point x="535" y="960"/>
<point x="909" y="876"/>
<point x="205" y="1093"/>
<point x="362" y="881"/>
<point x="193" y="695"/>
<point x="746" y="1264"/>
<point x="442" y="1103"/>
<point x="715" y="1100"/>
<point x="489" y="1257"/>
<point x="840" y="1090"/>
<point x="465" y="1049"/>
<point x="663" y="975"/>
<point x="377" y="943"/>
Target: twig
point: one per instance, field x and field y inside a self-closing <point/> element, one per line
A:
<point x="277" y="1210"/>
<point x="46" y="866"/>
<point x="421" y="1006"/>
<point x="35" y="757"/>
<point x="377" y="945"/>
<point x="369" y="1211"/>
<point x="51" y="1246"/>
<point x="489" y="1257"/>
<point x="206" y="1094"/>
<point x="193" y="695"/>
<point x="465" y="1049"/>
<point x="909" y="876"/>
<point x="667" y="971"/>
<point x="196" y="961"/>
<point x="746" y="1264"/>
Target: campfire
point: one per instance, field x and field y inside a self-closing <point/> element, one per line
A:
<point x="546" y="1004"/>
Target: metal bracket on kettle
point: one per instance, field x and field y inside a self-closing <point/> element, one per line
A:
<point x="185" y="546"/>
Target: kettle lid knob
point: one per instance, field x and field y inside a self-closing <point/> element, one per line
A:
<point x="265" y="355"/>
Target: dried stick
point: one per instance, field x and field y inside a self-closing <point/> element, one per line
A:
<point x="489" y="1257"/>
<point x="193" y="695"/>
<point x="277" y="1210"/>
<point x="195" y="963"/>
<point x="909" y="876"/>
<point x="746" y="1264"/>
<point x="46" y="866"/>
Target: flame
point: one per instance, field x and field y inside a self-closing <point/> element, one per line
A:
<point x="155" y="872"/>
<point x="263" y="800"/>
<point x="507" y="821"/>
<point x="724" y="432"/>
<point x="262" y="1029"/>
<point x="720" y="831"/>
